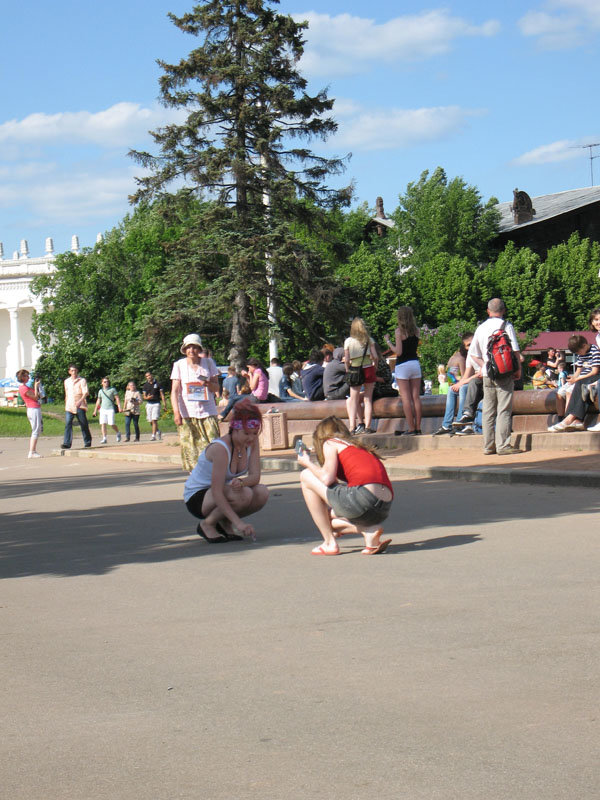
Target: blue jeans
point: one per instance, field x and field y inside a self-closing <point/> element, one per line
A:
<point x="452" y="400"/>
<point x="83" y="423"/>
<point x="128" y="420"/>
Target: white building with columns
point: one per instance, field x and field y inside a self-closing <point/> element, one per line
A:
<point x="18" y="347"/>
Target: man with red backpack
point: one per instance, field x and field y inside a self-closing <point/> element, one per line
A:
<point x="496" y="350"/>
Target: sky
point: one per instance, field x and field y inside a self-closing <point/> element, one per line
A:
<point x="499" y="93"/>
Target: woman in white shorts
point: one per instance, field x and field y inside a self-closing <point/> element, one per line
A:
<point x="408" y="368"/>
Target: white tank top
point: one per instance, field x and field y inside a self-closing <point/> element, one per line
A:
<point x="201" y="476"/>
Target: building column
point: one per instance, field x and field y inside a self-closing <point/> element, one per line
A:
<point x="12" y="351"/>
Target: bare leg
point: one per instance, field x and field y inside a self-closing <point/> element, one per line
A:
<point x="405" y="396"/>
<point x="560" y="406"/>
<point x="368" y="401"/>
<point x="103" y="429"/>
<point x="315" y="497"/>
<point x="353" y="405"/>
<point x="415" y="393"/>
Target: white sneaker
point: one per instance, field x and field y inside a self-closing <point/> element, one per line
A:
<point x="159" y="434"/>
<point x="153" y="438"/>
<point x="595" y="428"/>
<point x="118" y="437"/>
<point x="103" y="441"/>
<point x="35" y="454"/>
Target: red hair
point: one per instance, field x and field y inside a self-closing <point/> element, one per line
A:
<point x="243" y="411"/>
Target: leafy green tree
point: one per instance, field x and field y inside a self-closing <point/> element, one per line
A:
<point x="575" y="265"/>
<point x="438" y="344"/>
<point x="515" y="277"/>
<point x="247" y="107"/>
<point x="440" y="216"/>
<point x="92" y="302"/>
<point x="371" y="273"/>
<point x="444" y="289"/>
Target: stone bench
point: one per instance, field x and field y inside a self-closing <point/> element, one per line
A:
<point x="285" y="423"/>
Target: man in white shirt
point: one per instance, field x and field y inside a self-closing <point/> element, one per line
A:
<point x="76" y="393"/>
<point x="275" y="375"/>
<point x="497" y="392"/>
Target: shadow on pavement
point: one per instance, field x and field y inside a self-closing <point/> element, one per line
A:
<point x="94" y="541"/>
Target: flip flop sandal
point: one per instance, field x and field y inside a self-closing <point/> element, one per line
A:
<point x="210" y="540"/>
<point x="321" y="551"/>
<point x="381" y="548"/>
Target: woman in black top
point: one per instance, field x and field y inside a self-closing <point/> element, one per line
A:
<point x="408" y="369"/>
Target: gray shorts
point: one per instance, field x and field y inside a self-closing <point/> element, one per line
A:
<point x="357" y="504"/>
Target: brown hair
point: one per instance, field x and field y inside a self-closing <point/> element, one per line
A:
<point x="576" y="342"/>
<point x="333" y="428"/>
<point x="22" y="375"/>
<point x="406" y="322"/>
<point x="595" y="312"/>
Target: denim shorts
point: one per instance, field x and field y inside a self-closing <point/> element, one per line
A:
<point x="357" y="504"/>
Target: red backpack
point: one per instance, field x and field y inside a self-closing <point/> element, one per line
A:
<point x="502" y="359"/>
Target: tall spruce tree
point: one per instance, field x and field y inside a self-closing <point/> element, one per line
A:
<point x="247" y="105"/>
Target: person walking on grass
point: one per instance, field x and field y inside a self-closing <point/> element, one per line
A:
<point x="76" y="394"/>
<point x="31" y="398"/>
<point x="108" y="403"/>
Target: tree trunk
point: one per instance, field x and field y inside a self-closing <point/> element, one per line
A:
<point x="239" y="330"/>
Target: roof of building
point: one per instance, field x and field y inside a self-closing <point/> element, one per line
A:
<point x="549" y="205"/>
<point x="557" y="339"/>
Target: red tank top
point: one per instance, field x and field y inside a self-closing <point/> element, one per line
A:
<point x="358" y="467"/>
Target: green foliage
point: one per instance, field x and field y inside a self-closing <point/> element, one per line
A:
<point x="436" y="216"/>
<point x="574" y="267"/>
<point x="515" y="277"/>
<point x="443" y="289"/>
<point x="372" y="276"/>
<point x="246" y="105"/>
<point x="91" y="304"/>
<point x="437" y="345"/>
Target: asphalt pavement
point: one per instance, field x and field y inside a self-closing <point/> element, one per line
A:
<point x="140" y="662"/>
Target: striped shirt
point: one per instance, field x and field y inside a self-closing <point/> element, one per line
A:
<point x="588" y="360"/>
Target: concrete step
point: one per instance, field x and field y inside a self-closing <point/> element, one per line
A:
<point x="577" y="441"/>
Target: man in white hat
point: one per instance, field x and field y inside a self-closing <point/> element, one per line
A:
<point x="194" y="383"/>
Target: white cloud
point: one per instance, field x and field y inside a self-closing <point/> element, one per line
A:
<point x="54" y="196"/>
<point x="120" y="125"/>
<point x="392" y="128"/>
<point x="562" y="24"/>
<point x="343" y="44"/>
<point x="563" y="150"/>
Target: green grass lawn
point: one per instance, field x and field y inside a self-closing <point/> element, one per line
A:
<point x="14" y="422"/>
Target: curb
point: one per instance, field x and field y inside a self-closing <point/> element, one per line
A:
<point x="506" y="475"/>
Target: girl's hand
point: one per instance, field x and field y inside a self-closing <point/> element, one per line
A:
<point x="245" y="529"/>
<point x="304" y="458"/>
<point x="237" y="485"/>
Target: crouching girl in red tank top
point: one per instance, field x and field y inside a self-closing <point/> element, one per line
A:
<point x="348" y="491"/>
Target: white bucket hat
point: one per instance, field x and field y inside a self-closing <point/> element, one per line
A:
<point x="191" y="338"/>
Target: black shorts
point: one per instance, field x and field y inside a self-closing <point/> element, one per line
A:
<point x="194" y="504"/>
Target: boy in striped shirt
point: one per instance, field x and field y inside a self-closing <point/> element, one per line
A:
<point x="587" y="368"/>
